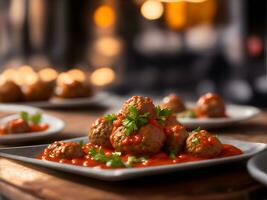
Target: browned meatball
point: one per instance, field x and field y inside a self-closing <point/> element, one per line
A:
<point x="100" y="132"/>
<point x="174" y="103"/>
<point x="74" y="89"/>
<point x="176" y="137"/>
<point x="10" y="92"/>
<point x="66" y="150"/>
<point x="210" y="105"/>
<point x="203" y="144"/>
<point x="38" y="91"/>
<point x="148" y="140"/>
<point x="142" y="104"/>
<point x="17" y="126"/>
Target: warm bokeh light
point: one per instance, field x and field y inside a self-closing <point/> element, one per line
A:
<point x="152" y="9"/>
<point x="29" y="79"/>
<point x="193" y="1"/>
<point x="25" y="69"/>
<point x="77" y="75"/>
<point x="9" y="74"/>
<point x="64" y="78"/>
<point x="108" y="46"/>
<point x="104" y="16"/>
<point x="102" y="76"/>
<point x="176" y="15"/>
<point x="48" y="74"/>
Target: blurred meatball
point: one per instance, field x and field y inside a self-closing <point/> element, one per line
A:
<point x="38" y="91"/>
<point x="203" y="144"/>
<point x="174" y="103"/>
<point x="73" y="89"/>
<point x="176" y="137"/>
<point x="142" y="104"/>
<point x="148" y="140"/>
<point x="10" y="92"/>
<point x="210" y="105"/>
<point x="17" y="126"/>
<point x="100" y="132"/>
<point x="66" y="150"/>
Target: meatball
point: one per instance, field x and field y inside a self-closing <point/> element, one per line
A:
<point x="176" y="137"/>
<point x="142" y="104"/>
<point x="73" y="89"/>
<point x="210" y="105"/>
<point x="203" y="144"/>
<point x="174" y="103"/>
<point x="66" y="150"/>
<point x="38" y="91"/>
<point x="10" y="92"/>
<point x="100" y="132"/>
<point x="17" y="126"/>
<point x="148" y="140"/>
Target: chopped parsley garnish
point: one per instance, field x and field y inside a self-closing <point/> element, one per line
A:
<point x="24" y="115"/>
<point x="35" y="118"/>
<point x="114" y="160"/>
<point x="162" y="114"/>
<point x="133" y="159"/>
<point x="133" y="120"/>
<point x="197" y="129"/>
<point x="110" y="117"/>
<point x="111" y="161"/>
<point x="81" y="143"/>
<point x="196" y="141"/>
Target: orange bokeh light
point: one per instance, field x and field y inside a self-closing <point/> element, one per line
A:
<point x="104" y="16"/>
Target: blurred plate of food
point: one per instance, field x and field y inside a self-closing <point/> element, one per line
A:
<point x="257" y="167"/>
<point x="209" y="111"/>
<point x="47" y="87"/>
<point x="28" y="126"/>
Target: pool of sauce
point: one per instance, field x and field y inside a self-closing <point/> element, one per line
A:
<point x="158" y="159"/>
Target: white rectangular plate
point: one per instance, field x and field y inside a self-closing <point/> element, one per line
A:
<point x="28" y="154"/>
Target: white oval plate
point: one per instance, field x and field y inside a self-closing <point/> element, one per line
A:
<point x="29" y="154"/>
<point x="235" y="114"/>
<point x="55" y="125"/>
<point x="257" y="167"/>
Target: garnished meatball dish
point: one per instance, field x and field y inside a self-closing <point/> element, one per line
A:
<point x="209" y="105"/>
<point x="25" y="123"/>
<point x="139" y="135"/>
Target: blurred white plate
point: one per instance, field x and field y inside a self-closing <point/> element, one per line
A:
<point x="63" y="103"/>
<point x="257" y="167"/>
<point x="55" y="125"/>
<point x="29" y="154"/>
<point x="235" y="114"/>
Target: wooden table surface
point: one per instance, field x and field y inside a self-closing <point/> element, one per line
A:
<point x="21" y="181"/>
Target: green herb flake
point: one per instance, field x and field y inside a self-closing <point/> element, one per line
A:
<point x="133" y="159"/>
<point x="172" y="155"/>
<point x="81" y="143"/>
<point x="36" y="118"/>
<point x="197" y="129"/>
<point x="196" y="141"/>
<point x="24" y="115"/>
<point x="110" y="117"/>
<point x="111" y="161"/>
<point x="162" y="114"/>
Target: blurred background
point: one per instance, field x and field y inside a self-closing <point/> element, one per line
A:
<point x="144" y="46"/>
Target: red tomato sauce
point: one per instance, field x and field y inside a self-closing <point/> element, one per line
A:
<point x="158" y="159"/>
